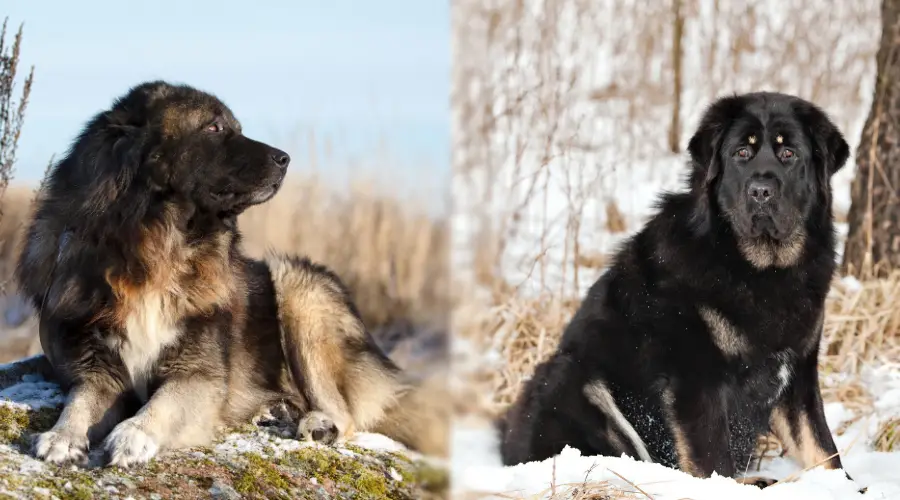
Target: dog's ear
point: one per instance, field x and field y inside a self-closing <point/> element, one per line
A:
<point x="831" y="149"/>
<point x="704" y="150"/>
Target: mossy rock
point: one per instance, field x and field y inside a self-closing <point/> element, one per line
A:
<point x="253" y="462"/>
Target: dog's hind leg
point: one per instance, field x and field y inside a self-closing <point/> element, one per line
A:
<point x="349" y="383"/>
<point x="623" y="436"/>
<point x="322" y="340"/>
<point x="698" y="421"/>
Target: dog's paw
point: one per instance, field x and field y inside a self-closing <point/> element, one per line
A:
<point x="129" y="445"/>
<point x="60" y="448"/>
<point x="759" y="482"/>
<point x="316" y="426"/>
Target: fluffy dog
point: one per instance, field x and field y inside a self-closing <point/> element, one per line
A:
<point x="704" y="331"/>
<point x="157" y="324"/>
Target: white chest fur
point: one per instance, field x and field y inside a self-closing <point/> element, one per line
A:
<point x="783" y="379"/>
<point x="149" y="327"/>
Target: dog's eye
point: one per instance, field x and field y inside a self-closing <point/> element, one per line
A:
<point x="743" y="153"/>
<point x="215" y="127"/>
<point x="786" y="154"/>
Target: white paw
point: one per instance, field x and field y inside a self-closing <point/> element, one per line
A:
<point x="316" y="426"/>
<point x="128" y="445"/>
<point x="60" y="448"/>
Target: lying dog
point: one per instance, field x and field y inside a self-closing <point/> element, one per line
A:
<point x="147" y="303"/>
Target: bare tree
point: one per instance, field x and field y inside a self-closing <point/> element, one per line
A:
<point x="873" y="243"/>
<point x="677" y="72"/>
<point x="12" y="113"/>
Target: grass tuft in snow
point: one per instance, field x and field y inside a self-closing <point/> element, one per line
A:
<point x="888" y="438"/>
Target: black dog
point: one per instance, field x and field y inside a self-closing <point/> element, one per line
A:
<point x="704" y="332"/>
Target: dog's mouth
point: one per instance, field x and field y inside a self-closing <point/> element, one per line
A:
<point x="763" y="225"/>
<point x="768" y="224"/>
<point x="264" y="194"/>
<point x="247" y="199"/>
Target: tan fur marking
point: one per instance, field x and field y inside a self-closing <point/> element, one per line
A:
<point x="682" y="448"/>
<point x="803" y="448"/>
<point x="724" y="334"/>
<point x="181" y="280"/>
<point x="781" y="255"/>
<point x="813" y="339"/>
<point x="598" y="394"/>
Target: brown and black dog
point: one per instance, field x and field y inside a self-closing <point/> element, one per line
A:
<point x="158" y="325"/>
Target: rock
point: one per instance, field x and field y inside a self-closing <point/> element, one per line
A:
<point x="255" y="461"/>
<point x="223" y="491"/>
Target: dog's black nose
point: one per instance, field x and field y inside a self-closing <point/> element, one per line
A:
<point x="762" y="190"/>
<point x="280" y="158"/>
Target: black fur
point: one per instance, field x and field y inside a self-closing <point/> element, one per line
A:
<point x="639" y="331"/>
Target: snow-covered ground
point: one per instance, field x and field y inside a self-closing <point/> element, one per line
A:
<point x="477" y="466"/>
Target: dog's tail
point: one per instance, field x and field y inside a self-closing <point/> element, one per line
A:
<point x="336" y="364"/>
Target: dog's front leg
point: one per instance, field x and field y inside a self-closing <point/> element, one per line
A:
<point x="93" y="406"/>
<point x="184" y="411"/>
<point x="798" y="419"/>
<point x="697" y="417"/>
<point x="98" y="393"/>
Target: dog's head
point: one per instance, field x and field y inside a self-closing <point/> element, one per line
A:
<point x="762" y="163"/>
<point x="177" y="143"/>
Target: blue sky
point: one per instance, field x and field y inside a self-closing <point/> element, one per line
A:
<point x="371" y="76"/>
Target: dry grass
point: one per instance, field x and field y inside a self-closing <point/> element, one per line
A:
<point x="888" y="438"/>
<point x="391" y="253"/>
<point x="862" y="324"/>
<point x="15" y="206"/>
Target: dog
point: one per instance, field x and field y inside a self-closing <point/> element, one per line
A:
<point x="704" y="331"/>
<point x="160" y="328"/>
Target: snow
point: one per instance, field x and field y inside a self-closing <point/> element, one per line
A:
<point x="477" y="467"/>
<point x="33" y="392"/>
